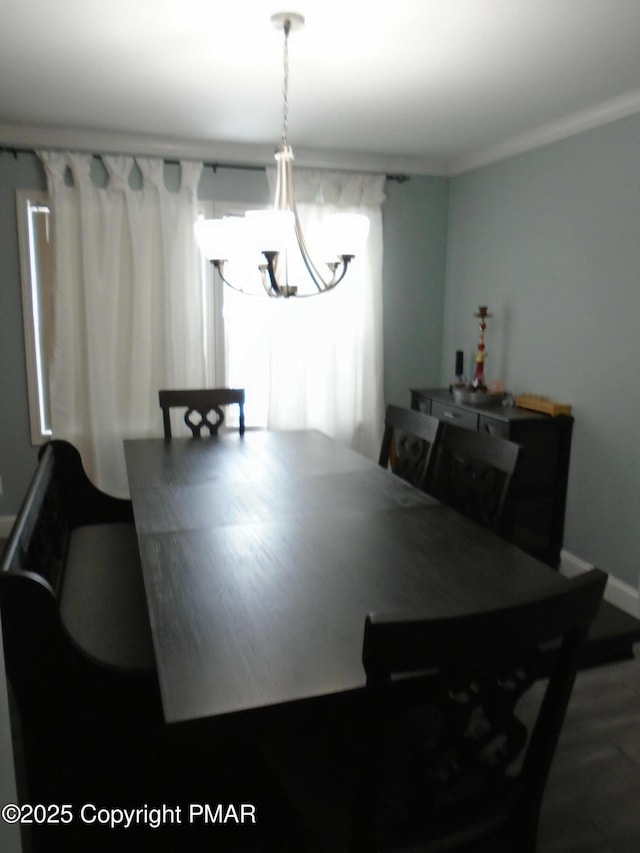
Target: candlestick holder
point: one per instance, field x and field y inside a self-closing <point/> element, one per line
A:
<point x="478" y="382"/>
<point x="476" y="392"/>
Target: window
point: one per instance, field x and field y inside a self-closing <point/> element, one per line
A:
<point x="36" y="267"/>
<point x="249" y="342"/>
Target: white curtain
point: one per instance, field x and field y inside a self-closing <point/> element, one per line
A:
<point x="317" y="362"/>
<point x="127" y="301"/>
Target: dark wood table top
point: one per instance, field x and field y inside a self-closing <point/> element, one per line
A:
<point x="262" y="556"/>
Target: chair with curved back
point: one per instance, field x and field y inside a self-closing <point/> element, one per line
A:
<point x="408" y="443"/>
<point x="474" y="473"/>
<point x="442" y="760"/>
<point x="202" y="402"/>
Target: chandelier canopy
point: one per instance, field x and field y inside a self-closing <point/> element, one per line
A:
<point x="274" y="234"/>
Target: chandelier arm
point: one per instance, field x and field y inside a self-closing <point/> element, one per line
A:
<point x="219" y="267"/>
<point x="321" y="283"/>
<point x="270" y="279"/>
<point x="266" y="283"/>
<point x="285" y="199"/>
<point x="344" y="260"/>
<point x="271" y="258"/>
<point x="318" y="279"/>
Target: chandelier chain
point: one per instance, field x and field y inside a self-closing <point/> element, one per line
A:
<point x="285" y="86"/>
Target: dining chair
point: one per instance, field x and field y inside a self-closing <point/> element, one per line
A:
<point x="203" y="403"/>
<point x="408" y="443"/>
<point x="441" y="760"/>
<point x="474" y="473"/>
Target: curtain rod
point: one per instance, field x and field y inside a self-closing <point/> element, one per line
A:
<point x="12" y="149"/>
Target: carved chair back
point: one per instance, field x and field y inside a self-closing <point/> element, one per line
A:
<point x="408" y="444"/>
<point x="449" y="761"/>
<point x="474" y="473"/>
<point x="204" y="408"/>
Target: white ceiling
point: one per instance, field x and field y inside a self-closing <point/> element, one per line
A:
<point x="431" y="86"/>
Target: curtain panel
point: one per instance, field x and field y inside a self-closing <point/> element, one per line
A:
<point x="127" y="303"/>
<point x="317" y="363"/>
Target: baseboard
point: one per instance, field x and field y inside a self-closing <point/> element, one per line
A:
<point x="617" y="592"/>
<point x="6" y="523"/>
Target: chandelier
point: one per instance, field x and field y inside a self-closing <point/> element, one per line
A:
<point x="274" y="234"/>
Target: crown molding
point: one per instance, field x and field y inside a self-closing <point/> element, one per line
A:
<point x="605" y="113"/>
<point x="227" y="153"/>
<point x="245" y="154"/>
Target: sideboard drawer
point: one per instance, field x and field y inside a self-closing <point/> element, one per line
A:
<point x="454" y="415"/>
<point x="492" y="426"/>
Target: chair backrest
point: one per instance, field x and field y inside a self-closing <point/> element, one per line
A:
<point x="408" y="443"/>
<point x="450" y="738"/>
<point x="473" y="472"/>
<point x="204" y="403"/>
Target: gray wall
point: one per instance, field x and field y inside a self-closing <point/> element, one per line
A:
<point x="415" y="240"/>
<point x="550" y="241"/>
<point x="415" y="216"/>
<point x="17" y="457"/>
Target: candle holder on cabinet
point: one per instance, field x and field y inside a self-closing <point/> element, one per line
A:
<point x="478" y="382"/>
<point x="476" y="392"/>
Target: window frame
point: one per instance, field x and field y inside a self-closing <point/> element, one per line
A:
<point x="39" y="425"/>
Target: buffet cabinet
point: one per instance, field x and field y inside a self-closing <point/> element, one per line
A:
<point x="536" y="520"/>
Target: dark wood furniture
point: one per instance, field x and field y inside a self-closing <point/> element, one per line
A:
<point x="204" y="402"/>
<point x="538" y="498"/>
<point x="540" y="489"/>
<point x="70" y="578"/>
<point x="262" y="556"/>
<point x="76" y="636"/>
<point x="473" y="472"/>
<point x="442" y="759"/>
<point x="10" y="833"/>
<point x="408" y="443"/>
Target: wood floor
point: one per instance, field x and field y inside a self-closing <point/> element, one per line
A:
<point x="592" y="801"/>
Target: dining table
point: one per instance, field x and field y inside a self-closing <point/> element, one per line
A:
<point x="263" y="554"/>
